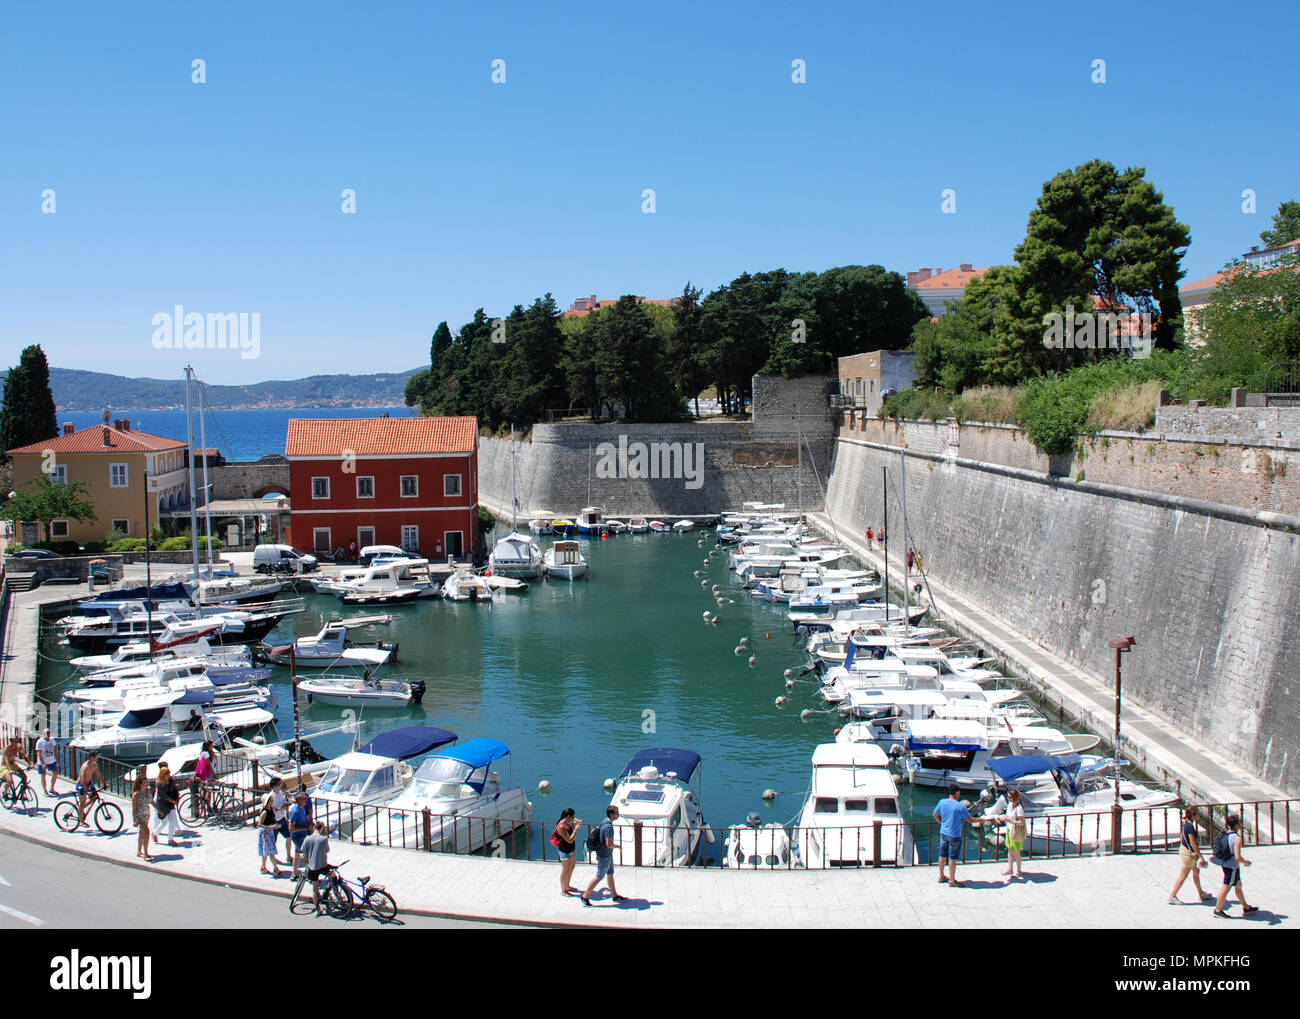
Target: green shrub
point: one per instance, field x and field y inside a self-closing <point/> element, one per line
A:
<point x="181" y="543"/>
<point x="94" y="547"/>
<point x="916" y="405"/>
<point x="127" y="545"/>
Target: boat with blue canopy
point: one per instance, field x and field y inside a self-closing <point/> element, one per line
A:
<point x="660" y="822"/>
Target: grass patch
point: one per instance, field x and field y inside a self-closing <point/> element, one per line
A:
<point x="996" y="404"/>
<point x="1126" y="408"/>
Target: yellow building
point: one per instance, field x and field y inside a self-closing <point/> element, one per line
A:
<point x="111" y="461"/>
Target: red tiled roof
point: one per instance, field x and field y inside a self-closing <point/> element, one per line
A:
<point x="381" y="436"/>
<point x="590" y="305"/>
<point x="953" y="279"/>
<point x="91" y="440"/>
<point x="1211" y="281"/>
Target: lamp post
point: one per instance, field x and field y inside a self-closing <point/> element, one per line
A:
<point x="1121" y="645"/>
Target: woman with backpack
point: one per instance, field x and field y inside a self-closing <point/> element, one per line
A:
<point x="1189" y="852"/>
<point x="1227" y="854"/>
<point x="565" y="840"/>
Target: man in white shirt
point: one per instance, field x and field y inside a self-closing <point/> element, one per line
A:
<point x="47" y="763"/>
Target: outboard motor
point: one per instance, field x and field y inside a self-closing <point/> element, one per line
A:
<point x="753" y="819"/>
<point x="895" y="751"/>
<point x="417" y="691"/>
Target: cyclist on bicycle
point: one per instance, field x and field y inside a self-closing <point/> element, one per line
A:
<point x="87" y="775"/>
<point x="316" y="850"/>
<point x="9" y="763"/>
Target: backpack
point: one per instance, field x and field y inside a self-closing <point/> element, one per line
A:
<point x="593" y="839"/>
<point x="1222" y="849"/>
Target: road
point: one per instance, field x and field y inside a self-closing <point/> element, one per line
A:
<point x="44" y="888"/>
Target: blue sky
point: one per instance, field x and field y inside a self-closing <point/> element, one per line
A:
<point x="225" y="196"/>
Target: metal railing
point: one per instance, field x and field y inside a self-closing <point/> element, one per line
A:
<point x="1282" y="384"/>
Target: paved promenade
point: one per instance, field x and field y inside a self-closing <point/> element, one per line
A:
<point x="1094" y="892"/>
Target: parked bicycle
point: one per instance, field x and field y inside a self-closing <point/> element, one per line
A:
<point x="217" y="804"/>
<point x="107" y="816"/>
<point x="340" y="896"/>
<point x="20" y="796"/>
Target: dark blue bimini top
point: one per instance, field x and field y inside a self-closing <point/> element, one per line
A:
<point x="666" y="759"/>
<point x="1018" y="766"/>
<point x="409" y="741"/>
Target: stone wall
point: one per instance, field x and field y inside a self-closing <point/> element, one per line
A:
<point x="1231" y="422"/>
<point x="251" y="479"/>
<point x="1210" y="596"/>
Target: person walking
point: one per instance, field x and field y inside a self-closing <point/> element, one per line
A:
<point x="870" y="538"/>
<point x="140" y="813"/>
<point x="279" y="803"/>
<point x="267" y="831"/>
<point x="316" y="852"/>
<point x="952" y="816"/>
<point x="1189" y="854"/>
<point x="1015" y="821"/>
<point x="1232" y="863"/>
<point x="565" y="840"/>
<point x="911" y="558"/>
<point x="300" y="826"/>
<point x="605" y="858"/>
<point x="47" y="762"/>
<point x="166" y="797"/>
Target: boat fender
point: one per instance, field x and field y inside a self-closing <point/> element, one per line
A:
<point x="708" y="832"/>
<point x="769" y="794"/>
<point x="806" y="713"/>
<point x="308" y="698"/>
<point x="487" y="573"/>
<point x="608" y="784"/>
<point x="780" y="701"/>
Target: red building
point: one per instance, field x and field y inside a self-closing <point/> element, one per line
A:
<point x="411" y="482"/>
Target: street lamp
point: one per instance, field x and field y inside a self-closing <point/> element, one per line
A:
<point x="1121" y="645"/>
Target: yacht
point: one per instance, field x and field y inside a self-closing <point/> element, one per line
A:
<point x="564" y="560"/>
<point x="757" y="846"/>
<point x="130" y="621"/>
<point x="466" y="585"/>
<point x="391" y="581"/>
<point x="153" y="722"/>
<point x="352" y="785"/>
<point x="516" y="555"/>
<point x="851" y="789"/>
<point x="330" y="648"/>
<point x="658" y="806"/>
<point x="469" y="806"/>
<point x="961" y="752"/>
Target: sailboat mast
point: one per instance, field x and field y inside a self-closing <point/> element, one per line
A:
<point x="514" y="496"/>
<point x="884" y="531"/>
<point x="189" y="441"/>
<point x="148" y="575"/>
<point x="902" y="501"/>
<point x="207" y="490"/>
<point x="589" y="474"/>
<point x="799" y="444"/>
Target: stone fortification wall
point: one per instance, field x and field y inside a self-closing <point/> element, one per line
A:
<point x="1260" y="423"/>
<point x="1209" y="594"/>
<point x="249" y="479"/>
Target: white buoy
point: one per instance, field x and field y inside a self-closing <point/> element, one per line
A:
<point x="744" y="641"/>
<point x="609" y="784"/>
<point x="789" y="684"/>
<point x="753" y="660"/>
<point x="769" y="794"/>
<point x="696" y="573"/>
<point x="739" y="651"/>
<point x="806" y="713"/>
<point x="714" y="620"/>
<point x="544" y="786"/>
<point x="707" y="616"/>
<point x="788" y="673"/>
<point x="721" y="601"/>
<point x="780" y="702"/>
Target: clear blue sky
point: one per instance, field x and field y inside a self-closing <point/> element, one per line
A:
<point x="225" y="196"/>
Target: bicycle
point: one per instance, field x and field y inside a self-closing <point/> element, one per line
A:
<point x="214" y="803"/>
<point x="340" y="895"/>
<point x="22" y="796"/>
<point x="107" y="816"/>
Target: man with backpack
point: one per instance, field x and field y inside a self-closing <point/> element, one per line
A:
<point x="1227" y="854"/>
<point x="604" y="846"/>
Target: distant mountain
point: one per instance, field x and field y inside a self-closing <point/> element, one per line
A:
<point x="87" y="391"/>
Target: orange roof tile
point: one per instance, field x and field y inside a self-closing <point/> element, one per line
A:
<point x="91" y="440"/>
<point x="953" y="279"/>
<point x="381" y="436"/>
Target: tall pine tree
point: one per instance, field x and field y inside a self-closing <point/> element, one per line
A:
<point x="28" y="414"/>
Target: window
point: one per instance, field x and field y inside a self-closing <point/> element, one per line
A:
<point x="451" y="484"/>
<point x="122" y="526"/>
<point x="826" y="805"/>
<point x="366" y="488"/>
<point x="857" y="806"/>
<point x="58" y="528"/>
<point x="320" y="488"/>
<point x="365" y="536"/>
<point x="320" y="539"/>
<point x="59" y="475"/>
<point x="410" y="537"/>
<point x="410" y="486"/>
<point x="117" y="475"/>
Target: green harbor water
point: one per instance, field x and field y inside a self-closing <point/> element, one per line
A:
<point x="577" y="676"/>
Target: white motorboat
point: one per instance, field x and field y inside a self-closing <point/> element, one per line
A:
<point x="1068" y="804"/>
<point x="591" y="520"/>
<point x="212" y="588"/>
<point x="870" y="612"/>
<point x="508" y="585"/>
<point x="615" y="526"/>
<point x="682" y="526"/>
<point x="469" y="807"/>
<point x="466" y="585"/>
<point x="352" y="785"/>
<point x="516" y="555"/>
<point x="881" y="716"/>
<point x="391" y="581"/>
<point x="961" y="752"/>
<point x="851" y="789"/>
<point x="659" y="527"/>
<point x="362" y="691"/>
<point x="341" y="582"/>
<point x="564" y="560"/>
<point x="331" y="649"/>
<point x="153" y="722"/>
<point x="541" y="523"/>
<point x="638" y="525"/>
<point x="660" y="822"/>
<point x="127" y="622"/>
<point x="757" y="846"/>
<point x="109" y="691"/>
<point x="168" y="646"/>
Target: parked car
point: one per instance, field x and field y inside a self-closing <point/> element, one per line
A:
<point x="269" y="558"/>
<point x="35" y="553"/>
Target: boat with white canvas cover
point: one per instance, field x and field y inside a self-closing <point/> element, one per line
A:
<point x="944" y="751"/>
<point x="392" y="581"/>
<point x="331" y="649"/>
<point x="757" y="846"/>
<point x="365" y="691"/>
<point x="516" y="555"/>
<point x="466" y="585"/>
<point x="564" y="559"/>
<point x="682" y="526"/>
<point x="459" y="787"/>
<point x="659" y="809"/>
<point x="638" y="525"/>
<point x="851" y="789"/>
<point x="153" y="722"/>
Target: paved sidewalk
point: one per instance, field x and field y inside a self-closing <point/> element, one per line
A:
<point x="1093" y="892"/>
<point x="1154" y="745"/>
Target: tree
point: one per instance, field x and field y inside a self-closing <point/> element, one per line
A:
<point x="440" y="344"/>
<point x="1286" y="225"/>
<point x="1098" y="232"/>
<point x="685" y="355"/>
<point x="28" y="414"/>
<point x="43" y="501"/>
<point x="864" y="307"/>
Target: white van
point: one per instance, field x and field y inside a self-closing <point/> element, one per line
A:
<point x="267" y="557"/>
